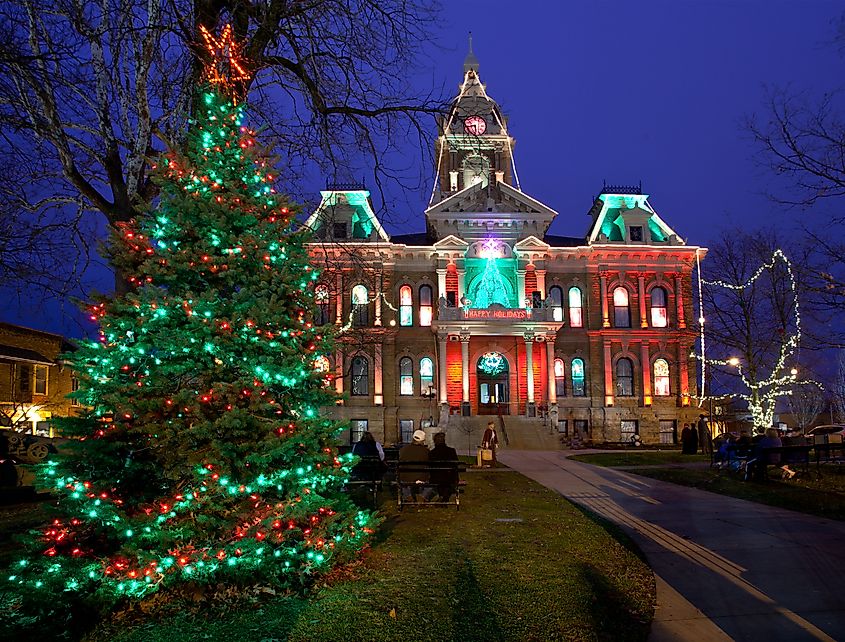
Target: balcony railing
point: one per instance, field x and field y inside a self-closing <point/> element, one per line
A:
<point x="495" y="314"/>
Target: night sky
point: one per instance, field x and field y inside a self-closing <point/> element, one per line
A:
<point x="651" y="91"/>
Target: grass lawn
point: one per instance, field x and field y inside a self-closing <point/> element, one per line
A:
<point x="639" y="458"/>
<point x="517" y="562"/>
<point x="824" y="496"/>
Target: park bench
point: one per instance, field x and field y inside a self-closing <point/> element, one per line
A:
<point x="829" y="453"/>
<point x="446" y="473"/>
<point x="792" y="456"/>
<point x="368" y="474"/>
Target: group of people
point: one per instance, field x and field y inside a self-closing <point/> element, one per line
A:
<point x="441" y="482"/>
<point x="732" y="451"/>
<point x="435" y="482"/>
<point x="693" y="434"/>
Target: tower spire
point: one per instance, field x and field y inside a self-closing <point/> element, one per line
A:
<point x="470" y="62"/>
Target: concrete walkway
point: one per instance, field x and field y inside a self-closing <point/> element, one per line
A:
<point x="725" y="568"/>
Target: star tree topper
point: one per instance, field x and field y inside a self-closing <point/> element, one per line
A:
<point x="225" y="65"/>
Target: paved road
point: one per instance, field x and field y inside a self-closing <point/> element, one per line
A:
<point x="725" y="568"/>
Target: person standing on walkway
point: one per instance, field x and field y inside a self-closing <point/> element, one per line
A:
<point x="490" y="440"/>
<point x="685" y="440"/>
<point x="704" y="436"/>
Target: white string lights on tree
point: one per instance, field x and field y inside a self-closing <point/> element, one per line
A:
<point x="762" y="394"/>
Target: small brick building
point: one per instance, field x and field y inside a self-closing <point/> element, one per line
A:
<point x="34" y="383"/>
<point x="485" y="313"/>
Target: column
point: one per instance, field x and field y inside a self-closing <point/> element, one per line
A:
<point x="529" y="373"/>
<point x="379" y="284"/>
<point x="679" y="301"/>
<point x="683" y="373"/>
<point x="441" y="282"/>
<point x="605" y="319"/>
<point x="443" y="390"/>
<point x="378" y="396"/>
<point x="641" y="293"/>
<point x="338" y="370"/>
<point x="461" y="284"/>
<point x="339" y="299"/>
<point x="608" y="375"/>
<point x="520" y="288"/>
<point x="550" y="369"/>
<point x="541" y="281"/>
<point x="465" y="374"/>
<point x="646" y="373"/>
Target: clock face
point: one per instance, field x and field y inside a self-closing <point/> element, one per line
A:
<point x="475" y="125"/>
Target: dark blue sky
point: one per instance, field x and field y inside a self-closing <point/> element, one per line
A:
<point x="624" y="91"/>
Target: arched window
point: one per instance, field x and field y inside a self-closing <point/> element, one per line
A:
<point x="578" y="387"/>
<point x="406" y="376"/>
<point x="321" y="364"/>
<point x="406" y="306"/>
<point x="321" y="298"/>
<point x="621" y="311"/>
<point x="426" y="294"/>
<point x="360" y="377"/>
<point x="560" y="378"/>
<point x="661" y="378"/>
<point x="625" y="377"/>
<point x="426" y="375"/>
<point x="659" y="316"/>
<point x="556" y="302"/>
<point x="576" y="314"/>
<point x="360" y="306"/>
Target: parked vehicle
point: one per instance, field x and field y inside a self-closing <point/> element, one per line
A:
<point x="827" y="433"/>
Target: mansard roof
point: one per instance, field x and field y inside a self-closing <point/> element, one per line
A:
<point x="348" y="204"/>
<point x="615" y="213"/>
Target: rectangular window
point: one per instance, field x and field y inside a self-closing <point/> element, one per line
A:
<point x="536" y="299"/>
<point x="575" y="318"/>
<point x="582" y="428"/>
<point x="24" y="378"/>
<point x="452" y="299"/>
<point x="659" y="318"/>
<point x="562" y="427"/>
<point x="340" y="230"/>
<point x="74" y="387"/>
<point x="426" y="305"/>
<point x="41" y="380"/>
<point x="357" y="427"/>
<point x="406" y="315"/>
<point x="629" y="427"/>
<point x="406" y="430"/>
<point x="636" y="234"/>
<point x="560" y="386"/>
<point x="668" y="434"/>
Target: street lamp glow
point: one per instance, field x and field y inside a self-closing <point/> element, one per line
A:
<point x="733" y="361"/>
<point x="793" y="372"/>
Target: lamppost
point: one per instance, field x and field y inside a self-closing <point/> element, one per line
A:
<point x="430" y="395"/>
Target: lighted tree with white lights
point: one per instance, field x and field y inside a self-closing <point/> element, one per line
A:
<point x="750" y="322"/>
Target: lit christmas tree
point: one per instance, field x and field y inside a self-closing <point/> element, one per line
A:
<point x="204" y="456"/>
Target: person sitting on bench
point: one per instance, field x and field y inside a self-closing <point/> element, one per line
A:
<point x="416" y="451"/>
<point x="445" y="479"/>
<point x="372" y="464"/>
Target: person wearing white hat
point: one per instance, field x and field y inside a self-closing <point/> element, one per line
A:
<point x="416" y="451"/>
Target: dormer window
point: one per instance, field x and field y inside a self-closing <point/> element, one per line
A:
<point x="636" y="233"/>
<point x="340" y="230"/>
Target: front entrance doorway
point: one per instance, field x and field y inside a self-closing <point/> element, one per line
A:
<point x="493" y="389"/>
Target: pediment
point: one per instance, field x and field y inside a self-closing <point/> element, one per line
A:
<point x="498" y="198"/>
<point x="451" y="242"/>
<point x="531" y="244"/>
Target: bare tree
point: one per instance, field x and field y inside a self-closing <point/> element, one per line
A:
<point x="806" y="403"/>
<point x="836" y="390"/>
<point x="90" y="91"/>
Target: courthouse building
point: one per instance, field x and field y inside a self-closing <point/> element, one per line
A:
<point x="487" y="314"/>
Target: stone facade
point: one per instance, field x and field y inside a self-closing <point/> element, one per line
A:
<point x="485" y="313"/>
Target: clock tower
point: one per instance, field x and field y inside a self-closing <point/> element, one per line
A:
<point x="473" y="145"/>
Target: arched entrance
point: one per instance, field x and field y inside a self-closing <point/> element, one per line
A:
<point x="493" y="391"/>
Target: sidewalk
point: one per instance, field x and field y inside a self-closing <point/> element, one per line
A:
<point x="725" y="568"/>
